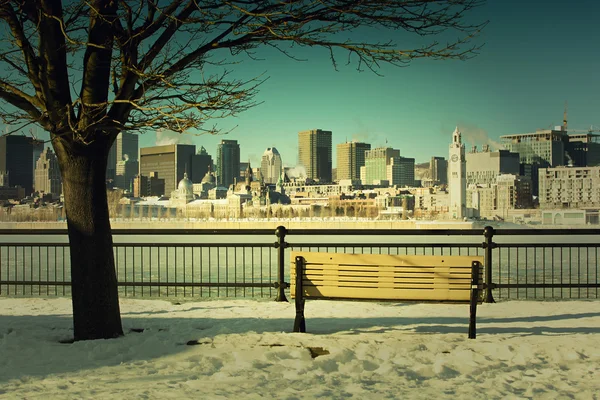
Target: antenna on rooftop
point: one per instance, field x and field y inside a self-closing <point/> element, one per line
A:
<point x="565" y="117"/>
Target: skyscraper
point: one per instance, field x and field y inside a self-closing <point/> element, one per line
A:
<point x="406" y="172"/>
<point x="438" y="167"/>
<point x="314" y="154"/>
<point x="457" y="181"/>
<point x="542" y="149"/>
<point x="350" y="157"/>
<point x="270" y="165"/>
<point x="47" y="174"/>
<point x="16" y="159"/>
<point x="38" y="148"/>
<point x="228" y="162"/>
<point x="168" y="162"/>
<point x="382" y="164"/>
<point x="201" y="163"/>
<point x="125" y="148"/>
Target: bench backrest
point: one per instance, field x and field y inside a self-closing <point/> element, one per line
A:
<point x="385" y="277"/>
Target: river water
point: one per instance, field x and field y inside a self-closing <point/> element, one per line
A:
<point x="242" y="259"/>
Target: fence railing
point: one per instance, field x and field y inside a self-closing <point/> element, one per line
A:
<point x="519" y="263"/>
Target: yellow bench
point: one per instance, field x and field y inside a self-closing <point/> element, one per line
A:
<point x="383" y="277"/>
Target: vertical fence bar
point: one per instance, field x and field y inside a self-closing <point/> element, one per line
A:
<point x="280" y="245"/>
<point x="488" y="245"/>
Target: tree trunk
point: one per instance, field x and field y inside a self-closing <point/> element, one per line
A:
<point x="95" y="298"/>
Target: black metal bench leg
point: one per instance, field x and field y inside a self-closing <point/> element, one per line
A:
<point x="474" y="298"/>
<point x="299" y="322"/>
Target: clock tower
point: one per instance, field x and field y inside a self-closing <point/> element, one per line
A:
<point x="457" y="182"/>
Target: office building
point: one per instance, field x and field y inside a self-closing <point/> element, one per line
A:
<point x="228" y="162"/>
<point x="38" y="148"/>
<point x="438" y="169"/>
<point x="47" y="174"/>
<point x="513" y="192"/>
<point x="202" y="162"/>
<point x="350" y="157"/>
<point x="406" y="172"/>
<point x="16" y="159"/>
<point x="381" y="165"/>
<point x="583" y="150"/>
<point x="314" y="154"/>
<point x="169" y="162"/>
<point x="151" y="185"/>
<point x="542" y="149"/>
<point x="270" y="165"/>
<point x="457" y="182"/>
<point x="570" y="187"/>
<point x="483" y="167"/>
<point x="125" y="148"/>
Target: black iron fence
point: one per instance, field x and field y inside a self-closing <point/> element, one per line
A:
<point x="519" y="263"/>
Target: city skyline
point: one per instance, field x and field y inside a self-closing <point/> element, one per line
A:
<point x="518" y="83"/>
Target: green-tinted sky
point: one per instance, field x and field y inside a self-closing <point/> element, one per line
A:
<point x="536" y="55"/>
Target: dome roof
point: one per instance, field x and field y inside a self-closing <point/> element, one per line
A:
<point x="185" y="185"/>
<point x="209" y="178"/>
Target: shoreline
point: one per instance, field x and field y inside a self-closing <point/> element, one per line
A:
<point x="260" y="224"/>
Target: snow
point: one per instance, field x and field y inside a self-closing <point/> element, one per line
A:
<point x="244" y="349"/>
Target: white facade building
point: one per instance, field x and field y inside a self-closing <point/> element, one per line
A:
<point x="457" y="182"/>
<point x="569" y="187"/>
<point x="270" y="165"/>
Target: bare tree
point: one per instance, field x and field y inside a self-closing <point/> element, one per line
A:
<point x="86" y="70"/>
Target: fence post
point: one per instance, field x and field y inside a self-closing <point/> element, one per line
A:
<point x="488" y="245"/>
<point x="280" y="245"/>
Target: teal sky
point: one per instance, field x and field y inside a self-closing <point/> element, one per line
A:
<point x="537" y="55"/>
<point x="534" y="59"/>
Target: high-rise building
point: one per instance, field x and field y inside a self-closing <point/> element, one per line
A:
<point x="202" y="162"/>
<point x="270" y="165"/>
<point x="406" y="172"/>
<point x="38" y="148"/>
<point x="457" y="183"/>
<point x="168" y="162"/>
<point x="125" y="148"/>
<point x="583" y="150"/>
<point x="350" y="157"/>
<point x="228" y="162"/>
<point x="16" y="159"/>
<point x="483" y="167"/>
<point x="381" y="164"/>
<point x="438" y="168"/>
<point x="148" y="185"/>
<point x="314" y="154"/>
<point x="542" y="149"/>
<point x="47" y="174"/>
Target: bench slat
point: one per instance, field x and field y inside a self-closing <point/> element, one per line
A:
<point x="386" y="294"/>
<point x="396" y="274"/>
<point x="388" y="268"/>
<point x="343" y="278"/>
<point x="384" y="259"/>
<point x="463" y="286"/>
<point x="386" y="276"/>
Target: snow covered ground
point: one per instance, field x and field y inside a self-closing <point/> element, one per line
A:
<point x="243" y="349"/>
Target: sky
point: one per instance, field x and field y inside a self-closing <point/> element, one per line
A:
<point x="534" y="59"/>
<point x="245" y="349"/>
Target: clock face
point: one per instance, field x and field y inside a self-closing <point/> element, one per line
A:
<point x="454" y="157"/>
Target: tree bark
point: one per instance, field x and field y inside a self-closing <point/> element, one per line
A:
<point x="95" y="298"/>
